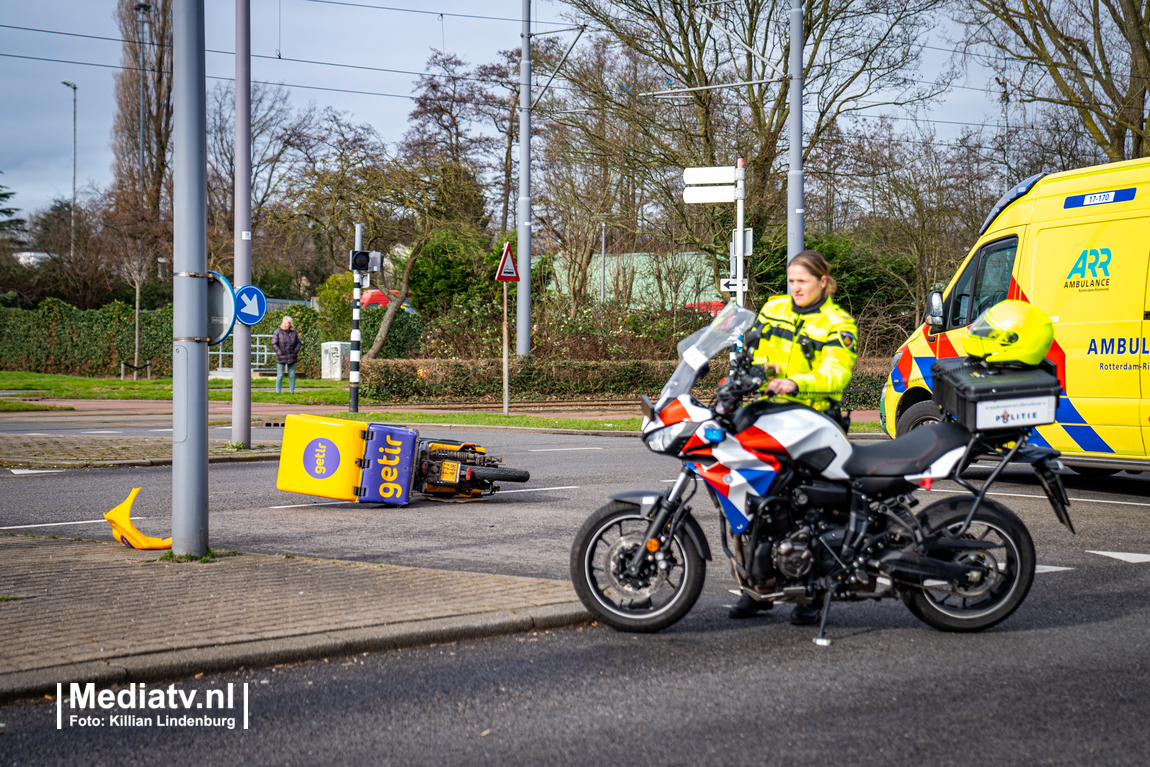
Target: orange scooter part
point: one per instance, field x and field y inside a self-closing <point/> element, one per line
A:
<point x="126" y="533"/>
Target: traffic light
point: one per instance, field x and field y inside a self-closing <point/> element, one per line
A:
<point x="365" y="261"/>
<point x="360" y="260"/>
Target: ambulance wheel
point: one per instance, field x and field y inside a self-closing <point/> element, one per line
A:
<point x="1094" y="472"/>
<point x="918" y="414"/>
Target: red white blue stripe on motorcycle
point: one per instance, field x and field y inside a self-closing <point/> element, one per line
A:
<point x="735" y="489"/>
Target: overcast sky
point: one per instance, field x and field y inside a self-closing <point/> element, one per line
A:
<point x="35" y="131"/>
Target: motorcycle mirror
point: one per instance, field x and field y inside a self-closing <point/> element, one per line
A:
<point x="703" y="371"/>
<point x="752" y="338"/>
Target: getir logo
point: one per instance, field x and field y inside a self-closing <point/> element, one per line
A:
<point x="1097" y="262"/>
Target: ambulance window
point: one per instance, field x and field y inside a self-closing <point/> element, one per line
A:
<point x="960" y="297"/>
<point x="994" y="268"/>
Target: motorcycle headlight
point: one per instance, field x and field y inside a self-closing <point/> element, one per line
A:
<point x="664" y="440"/>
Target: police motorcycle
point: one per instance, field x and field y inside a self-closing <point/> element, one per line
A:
<point x="810" y="519"/>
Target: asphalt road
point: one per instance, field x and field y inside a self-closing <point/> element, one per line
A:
<point x="1063" y="681"/>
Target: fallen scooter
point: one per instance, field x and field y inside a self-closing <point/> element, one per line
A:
<point x="378" y="463"/>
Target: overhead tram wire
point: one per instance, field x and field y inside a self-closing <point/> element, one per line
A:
<point x="517" y="20"/>
<point x="312" y="62"/>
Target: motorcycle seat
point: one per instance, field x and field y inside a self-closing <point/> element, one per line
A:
<point x="911" y="453"/>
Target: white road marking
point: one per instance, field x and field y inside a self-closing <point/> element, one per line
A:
<point x="561" y="449"/>
<point x="57" y="524"/>
<point x="300" y="505"/>
<point x="1050" y="568"/>
<point x="35" y="471"/>
<point x="101" y="432"/>
<point x="1124" y="556"/>
<point x="36" y="434"/>
<point x="1074" y="500"/>
<point x="540" y="489"/>
<point x="159" y="429"/>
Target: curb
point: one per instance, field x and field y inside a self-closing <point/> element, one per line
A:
<point x="138" y="462"/>
<point x="293" y="649"/>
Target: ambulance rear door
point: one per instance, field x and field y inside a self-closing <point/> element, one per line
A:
<point x="1089" y="274"/>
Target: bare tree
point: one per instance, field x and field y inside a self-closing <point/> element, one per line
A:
<point x="857" y="56"/>
<point x="145" y="197"/>
<point x="280" y="136"/>
<point x="1092" y="58"/>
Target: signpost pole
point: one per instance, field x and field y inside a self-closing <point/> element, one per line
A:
<point x="353" y="373"/>
<point x="242" y="275"/>
<point x="740" y="193"/>
<point x="190" y="283"/>
<point x="506" y="387"/>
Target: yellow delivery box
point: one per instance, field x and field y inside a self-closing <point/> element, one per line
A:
<point x="321" y="456"/>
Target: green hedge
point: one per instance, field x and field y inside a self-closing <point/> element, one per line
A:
<point x="56" y="337"/>
<point x="534" y="378"/>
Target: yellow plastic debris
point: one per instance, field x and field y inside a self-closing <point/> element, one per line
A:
<point x="126" y="533"/>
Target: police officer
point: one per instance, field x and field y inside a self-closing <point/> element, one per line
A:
<point x="810" y="343"/>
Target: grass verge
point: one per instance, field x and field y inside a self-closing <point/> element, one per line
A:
<point x="309" y="391"/>
<point x="211" y="555"/>
<point x="492" y="419"/>
<point x="11" y="406"/>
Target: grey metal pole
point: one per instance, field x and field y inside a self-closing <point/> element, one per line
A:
<point x="142" y="22"/>
<point x="242" y="334"/>
<point x="603" y="267"/>
<point x="795" y="174"/>
<point x="740" y="194"/>
<point x="353" y="365"/>
<point x="523" y="289"/>
<point x="72" y="242"/>
<point x="190" y="282"/>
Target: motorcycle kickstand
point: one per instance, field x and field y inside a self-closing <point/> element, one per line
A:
<point x="821" y="640"/>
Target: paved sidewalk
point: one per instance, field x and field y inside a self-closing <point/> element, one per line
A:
<point x="100" y="612"/>
<point x="72" y="450"/>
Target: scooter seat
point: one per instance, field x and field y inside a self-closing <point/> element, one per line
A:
<point x="909" y="454"/>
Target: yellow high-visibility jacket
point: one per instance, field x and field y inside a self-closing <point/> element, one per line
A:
<point x="830" y="338"/>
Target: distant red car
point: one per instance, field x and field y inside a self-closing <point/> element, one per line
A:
<point x="706" y="307"/>
<point x="378" y="298"/>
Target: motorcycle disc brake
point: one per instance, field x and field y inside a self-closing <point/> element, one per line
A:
<point x="641" y="586"/>
<point x="977" y="560"/>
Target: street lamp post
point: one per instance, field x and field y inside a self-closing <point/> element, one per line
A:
<point x="72" y="242"/>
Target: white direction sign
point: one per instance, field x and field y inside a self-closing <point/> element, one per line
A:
<point x="723" y="175"/>
<point x="703" y="194"/>
<point x="732" y="285"/>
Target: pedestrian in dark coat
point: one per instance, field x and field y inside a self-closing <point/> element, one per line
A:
<point x="287" y="343"/>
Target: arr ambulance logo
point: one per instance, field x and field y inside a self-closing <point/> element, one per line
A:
<point x="1096" y="261"/>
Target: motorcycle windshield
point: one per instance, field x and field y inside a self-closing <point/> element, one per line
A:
<point x="698" y="348"/>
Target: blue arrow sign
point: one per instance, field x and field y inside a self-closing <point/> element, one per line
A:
<point x="251" y="304"/>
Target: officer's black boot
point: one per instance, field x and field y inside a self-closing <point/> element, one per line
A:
<point x="749" y="608"/>
<point x="805" y="615"/>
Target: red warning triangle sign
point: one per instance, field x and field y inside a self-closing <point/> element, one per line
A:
<point x="507" y="271"/>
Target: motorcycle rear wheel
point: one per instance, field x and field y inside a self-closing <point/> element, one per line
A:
<point x="952" y="607"/>
<point x="650" y="601"/>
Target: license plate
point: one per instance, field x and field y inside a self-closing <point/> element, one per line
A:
<point x="449" y="472"/>
<point x="1006" y="414"/>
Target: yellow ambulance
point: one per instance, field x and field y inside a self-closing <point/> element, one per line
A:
<point x="1076" y="245"/>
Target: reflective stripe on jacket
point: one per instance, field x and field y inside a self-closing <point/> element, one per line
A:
<point x="823" y="369"/>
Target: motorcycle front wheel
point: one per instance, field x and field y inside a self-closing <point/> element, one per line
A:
<point x="652" y="599"/>
<point x="1010" y="561"/>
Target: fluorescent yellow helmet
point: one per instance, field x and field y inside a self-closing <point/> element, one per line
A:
<point x="1010" y="331"/>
